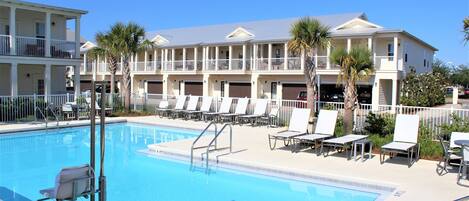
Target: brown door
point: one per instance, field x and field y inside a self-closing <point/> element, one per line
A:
<point x="193" y="88"/>
<point x="155" y="87"/>
<point x="85" y="85"/>
<point x="240" y="90"/>
<point x="291" y="91"/>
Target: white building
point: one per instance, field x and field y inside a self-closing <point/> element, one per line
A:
<point x="34" y="50"/>
<point x="251" y="59"/>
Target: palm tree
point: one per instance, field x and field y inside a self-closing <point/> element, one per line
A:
<point x="466" y="29"/>
<point x="128" y="40"/>
<point x="309" y="35"/>
<point x="107" y="48"/>
<point x="354" y="66"/>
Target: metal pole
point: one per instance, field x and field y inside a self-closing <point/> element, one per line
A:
<point x="102" y="178"/>
<point x="92" y="136"/>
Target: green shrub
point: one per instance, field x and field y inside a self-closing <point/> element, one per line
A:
<point x="339" y="126"/>
<point x="429" y="149"/>
<point x="379" y="124"/>
<point x="424" y="90"/>
<point x="379" y="140"/>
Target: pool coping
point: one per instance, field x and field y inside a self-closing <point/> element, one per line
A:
<point x="385" y="190"/>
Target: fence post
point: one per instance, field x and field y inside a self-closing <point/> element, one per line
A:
<point x="68" y="97"/>
<point x="357" y="107"/>
<point x="35" y="106"/>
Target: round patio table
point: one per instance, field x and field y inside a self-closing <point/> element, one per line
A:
<point x="466" y="144"/>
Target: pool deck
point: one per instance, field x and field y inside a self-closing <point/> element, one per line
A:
<point x="251" y="149"/>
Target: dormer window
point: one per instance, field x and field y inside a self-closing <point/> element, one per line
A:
<point x="357" y="23"/>
<point x="160" y="40"/>
<point x="240" y="33"/>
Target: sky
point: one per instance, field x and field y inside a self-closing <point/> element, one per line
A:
<point x="437" y="22"/>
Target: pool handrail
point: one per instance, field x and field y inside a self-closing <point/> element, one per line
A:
<point x="214" y="140"/>
<point x="198" y="137"/>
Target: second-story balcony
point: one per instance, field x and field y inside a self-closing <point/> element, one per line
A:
<point x="36" y="47"/>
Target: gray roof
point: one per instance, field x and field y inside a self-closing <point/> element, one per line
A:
<point x="38" y="5"/>
<point x="266" y="30"/>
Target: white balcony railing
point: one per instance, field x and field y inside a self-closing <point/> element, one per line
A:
<point x="29" y="46"/>
<point x="189" y="65"/>
<point x="211" y="64"/>
<point x="262" y="64"/>
<point x="223" y="64"/>
<point x="321" y="62"/>
<point x="5" y="44"/>
<point x="62" y="49"/>
<point x="237" y="64"/>
<point x="384" y="63"/>
<point x="178" y="65"/>
<point x="278" y="63"/>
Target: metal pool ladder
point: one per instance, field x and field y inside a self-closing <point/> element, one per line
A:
<point x="214" y="140"/>
<point x="45" y="117"/>
<point x="197" y="139"/>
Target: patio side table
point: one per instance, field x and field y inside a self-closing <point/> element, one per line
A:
<point x="362" y="143"/>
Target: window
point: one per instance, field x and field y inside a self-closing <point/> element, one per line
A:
<point x="277" y="53"/>
<point x="390" y="52"/>
<point x="424" y="63"/>
<point x="222" y="88"/>
<point x="40" y="87"/>
<point x="7" y="29"/>
<point x="405" y="57"/>
<point x="273" y="90"/>
<point x="40" y="30"/>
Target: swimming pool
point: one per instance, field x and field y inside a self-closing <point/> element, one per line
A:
<point x="29" y="162"/>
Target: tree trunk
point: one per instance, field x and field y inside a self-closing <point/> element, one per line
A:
<point x="126" y="84"/>
<point x="350" y="98"/>
<point x="310" y="78"/>
<point x="112" y="70"/>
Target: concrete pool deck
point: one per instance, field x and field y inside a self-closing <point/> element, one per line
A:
<point x="250" y="148"/>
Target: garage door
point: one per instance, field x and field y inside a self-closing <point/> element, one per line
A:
<point x="193" y="88"/>
<point x="291" y="91"/>
<point x="240" y="90"/>
<point x="85" y="85"/>
<point x="155" y="87"/>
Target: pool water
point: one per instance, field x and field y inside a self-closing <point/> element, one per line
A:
<point x="29" y="162"/>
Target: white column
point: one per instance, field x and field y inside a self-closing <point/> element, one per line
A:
<point x="244" y="56"/>
<point x="173" y="56"/>
<point x="155" y="58"/>
<point x="396" y="53"/>
<point x="47" y="80"/>
<point x="349" y="44"/>
<point x="145" y="62"/>
<point x="94" y="70"/>
<point x="394" y="94"/>
<point x="195" y="58"/>
<point x="48" y="35"/>
<point x="14" y="79"/>
<point x="136" y="62"/>
<point x="375" y="94"/>
<point x="285" y="56"/>
<point x="76" y="81"/>
<point x="255" y="57"/>
<point x="163" y="55"/>
<point x="370" y="43"/>
<point x="316" y="57"/>
<point x="85" y="63"/>
<point x="373" y="49"/>
<point x="184" y="59"/>
<point x="302" y="58"/>
<point x="216" y="57"/>
<point x="230" y="55"/>
<point x="204" y="58"/>
<point x="206" y="84"/>
<point x="328" y="53"/>
<point x="77" y="37"/>
<point x="270" y="56"/>
<point x="12" y="25"/>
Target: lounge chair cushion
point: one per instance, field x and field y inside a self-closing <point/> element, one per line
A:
<point x="251" y="116"/>
<point x="287" y="134"/>
<point x="407" y="128"/>
<point x="345" y="139"/>
<point x="299" y="120"/>
<point x="312" y="137"/>
<point x="401" y="146"/>
<point x="326" y="122"/>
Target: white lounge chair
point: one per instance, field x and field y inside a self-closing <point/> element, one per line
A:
<point x="298" y="126"/>
<point x="224" y="109"/>
<point x="405" y="138"/>
<point x="70" y="184"/>
<point x="163" y="108"/>
<point x="343" y="142"/>
<point x="259" y="111"/>
<point x="241" y="108"/>
<point x="325" y="127"/>
<point x="271" y="117"/>
<point x="191" y="106"/>
<point x="464" y="164"/>
<point x="180" y="102"/>
<point x="205" y="107"/>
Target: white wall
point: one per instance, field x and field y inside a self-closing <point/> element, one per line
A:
<point x="416" y="53"/>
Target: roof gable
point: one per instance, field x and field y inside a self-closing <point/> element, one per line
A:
<point x="357" y="23"/>
<point x="160" y="40"/>
<point x="240" y="33"/>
